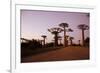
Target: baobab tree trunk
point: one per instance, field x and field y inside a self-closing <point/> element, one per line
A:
<point x="60" y="41"/>
<point x="41" y="42"/>
<point x="44" y="42"/>
<point x="71" y="42"/>
<point x="56" y="39"/>
<point x="64" y="37"/>
<point x="79" y="42"/>
<point x="66" y="42"/>
<point x="82" y="37"/>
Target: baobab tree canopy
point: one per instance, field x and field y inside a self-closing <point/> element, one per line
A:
<point x="71" y="38"/>
<point x="64" y="25"/>
<point x="70" y="30"/>
<point x="83" y="26"/>
<point x="44" y="36"/>
<point x="55" y="30"/>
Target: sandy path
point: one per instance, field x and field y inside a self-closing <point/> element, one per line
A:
<point x="68" y="53"/>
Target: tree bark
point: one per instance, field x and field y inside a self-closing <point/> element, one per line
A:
<point x="56" y="39"/>
<point x="64" y="37"/>
<point x="82" y="37"/>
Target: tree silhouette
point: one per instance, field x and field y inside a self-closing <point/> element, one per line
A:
<point x="79" y="42"/>
<point x="41" y="41"/>
<point x="26" y="40"/>
<point x="44" y="37"/>
<point x="70" y="30"/>
<point x="87" y="40"/>
<point x="53" y="41"/>
<point x="83" y="27"/>
<point x="67" y="40"/>
<point x="60" y="38"/>
<point x="64" y="25"/>
<point x="55" y="31"/>
<point x="71" y="40"/>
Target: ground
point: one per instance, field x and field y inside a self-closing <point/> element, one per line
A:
<point x="62" y="54"/>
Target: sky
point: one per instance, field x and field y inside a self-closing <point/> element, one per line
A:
<point x="35" y="23"/>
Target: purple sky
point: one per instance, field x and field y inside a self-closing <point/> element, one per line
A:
<point x="36" y="23"/>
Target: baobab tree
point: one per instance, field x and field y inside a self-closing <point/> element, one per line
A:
<point x="44" y="37"/>
<point x="71" y="40"/>
<point x="83" y="27"/>
<point x="64" y="26"/>
<point x="55" y="31"/>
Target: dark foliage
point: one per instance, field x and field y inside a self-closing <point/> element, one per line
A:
<point x="50" y="44"/>
<point x="33" y="47"/>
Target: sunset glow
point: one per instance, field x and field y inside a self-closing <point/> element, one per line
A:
<point x="35" y="23"/>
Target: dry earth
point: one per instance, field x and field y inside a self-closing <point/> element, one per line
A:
<point x="68" y="53"/>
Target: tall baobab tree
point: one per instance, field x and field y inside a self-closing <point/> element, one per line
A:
<point x="71" y="40"/>
<point x="44" y="37"/>
<point x="55" y="31"/>
<point x="83" y="27"/>
<point x="64" y="26"/>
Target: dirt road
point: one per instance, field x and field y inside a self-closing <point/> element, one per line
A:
<point x="68" y="53"/>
